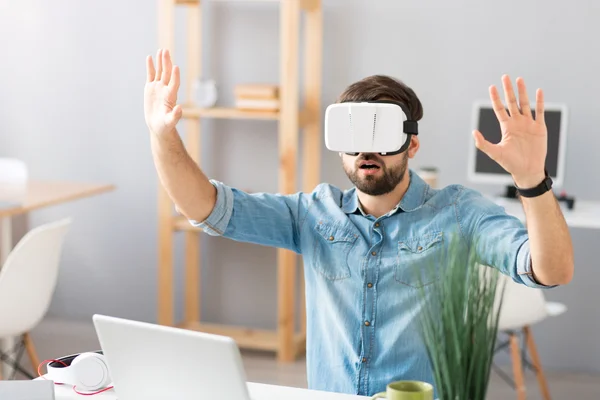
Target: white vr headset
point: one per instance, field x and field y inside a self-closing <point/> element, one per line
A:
<point x="381" y="126"/>
<point x="85" y="372"/>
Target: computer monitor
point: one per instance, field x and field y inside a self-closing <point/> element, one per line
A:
<point x="483" y="169"/>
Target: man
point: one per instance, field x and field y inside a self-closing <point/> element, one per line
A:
<point x="361" y="246"/>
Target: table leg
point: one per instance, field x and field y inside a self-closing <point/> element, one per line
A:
<point x="6" y="344"/>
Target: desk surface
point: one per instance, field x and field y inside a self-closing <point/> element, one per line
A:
<point x="585" y="214"/>
<point x="258" y="391"/>
<point x="40" y="194"/>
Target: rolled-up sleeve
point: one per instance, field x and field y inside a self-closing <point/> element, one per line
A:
<point x="262" y="218"/>
<point x="216" y="223"/>
<point x="500" y="240"/>
<point x="524" y="269"/>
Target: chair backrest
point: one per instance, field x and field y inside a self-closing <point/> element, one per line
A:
<point x="521" y="305"/>
<point x="28" y="277"/>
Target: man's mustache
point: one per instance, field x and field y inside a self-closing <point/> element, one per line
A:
<point x="368" y="157"/>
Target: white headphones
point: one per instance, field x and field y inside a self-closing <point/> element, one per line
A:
<point x="85" y="371"/>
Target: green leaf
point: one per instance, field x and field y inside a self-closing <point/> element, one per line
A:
<point x="459" y="321"/>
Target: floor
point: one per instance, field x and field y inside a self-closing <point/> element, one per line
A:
<point x="57" y="338"/>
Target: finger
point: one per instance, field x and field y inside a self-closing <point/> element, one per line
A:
<point x="158" y="64"/>
<point x="488" y="148"/>
<point x="174" y="116"/>
<point x="150" y="69"/>
<point x="523" y="98"/>
<point x="167" y="66"/>
<point x="539" y="106"/>
<point x="499" y="108"/>
<point x="509" y="95"/>
<point x="174" y="83"/>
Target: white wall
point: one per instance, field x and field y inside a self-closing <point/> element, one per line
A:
<point x="71" y="85"/>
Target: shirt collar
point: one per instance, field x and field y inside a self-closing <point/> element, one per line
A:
<point x="412" y="200"/>
<point x="350" y="201"/>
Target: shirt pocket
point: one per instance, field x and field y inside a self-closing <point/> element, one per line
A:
<point x="331" y="250"/>
<point x="419" y="260"/>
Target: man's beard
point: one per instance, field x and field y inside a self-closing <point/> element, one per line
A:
<point x="377" y="185"/>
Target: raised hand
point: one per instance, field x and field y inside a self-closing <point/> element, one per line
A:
<point x="160" y="94"/>
<point x="523" y="147"/>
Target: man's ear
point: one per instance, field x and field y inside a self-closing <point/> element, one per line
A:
<point x="413" y="147"/>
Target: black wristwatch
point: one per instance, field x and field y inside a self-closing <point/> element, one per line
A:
<point x="540" y="189"/>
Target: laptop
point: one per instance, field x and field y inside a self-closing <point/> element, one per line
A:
<point x="149" y="361"/>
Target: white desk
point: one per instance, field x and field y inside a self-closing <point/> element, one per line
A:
<point x="585" y="214"/>
<point x="258" y="391"/>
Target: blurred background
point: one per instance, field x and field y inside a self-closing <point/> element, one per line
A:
<point x="72" y="75"/>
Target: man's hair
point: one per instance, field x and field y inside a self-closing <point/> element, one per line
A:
<point x="382" y="87"/>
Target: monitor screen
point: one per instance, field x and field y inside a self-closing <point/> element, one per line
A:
<point x="487" y="123"/>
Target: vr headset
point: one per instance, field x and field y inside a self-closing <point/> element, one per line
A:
<point x="85" y="371"/>
<point x="381" y="126"/>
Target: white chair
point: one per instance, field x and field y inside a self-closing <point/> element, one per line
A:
<point x="522" y="307"/>
<point x="27" y="282"/>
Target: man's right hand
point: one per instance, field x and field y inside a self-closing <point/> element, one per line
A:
<point x="191" y="191"/>
<point x="160" y="94"/>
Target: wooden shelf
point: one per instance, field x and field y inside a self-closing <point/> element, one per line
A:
<point x="235" y="113"/>
<point x="225" y="112"/>
<point x="307" y="5"/>
<point x="294" y="118"/>
<point x="247" y="338"/>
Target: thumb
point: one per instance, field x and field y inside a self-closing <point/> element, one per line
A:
<point x="488" y="148"/>
<point x="173" y="117"/>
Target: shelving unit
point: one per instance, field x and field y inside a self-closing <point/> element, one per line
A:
<point x="291" y="118"/>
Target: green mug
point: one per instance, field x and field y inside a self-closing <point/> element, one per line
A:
<point x="406" y="390"/>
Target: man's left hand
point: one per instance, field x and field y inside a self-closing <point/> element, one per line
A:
<point x="522" y="149"/>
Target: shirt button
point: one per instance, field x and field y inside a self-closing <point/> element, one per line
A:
<point x="369" y="285"/>
<point x="367" y="323"/>
<point x="373" y="253"/>
<point x="377" y="224"/>
<point x="330" y="237"/>
<point x="364" y="359"/>
<point x="420" y="248"/>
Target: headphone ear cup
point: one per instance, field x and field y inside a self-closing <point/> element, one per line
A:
<point x="90" y="372"/>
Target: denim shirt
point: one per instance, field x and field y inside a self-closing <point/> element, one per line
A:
<point x="360" y="288"/>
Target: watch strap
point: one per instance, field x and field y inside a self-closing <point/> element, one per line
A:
<point x="538" y="190"/>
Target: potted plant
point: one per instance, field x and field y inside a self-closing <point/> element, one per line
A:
<point x="459" y="323"/>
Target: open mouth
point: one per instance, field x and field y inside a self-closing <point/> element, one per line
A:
<point x="368" y="165"/>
